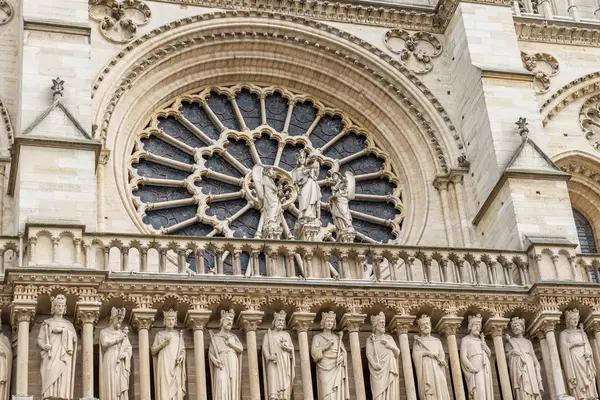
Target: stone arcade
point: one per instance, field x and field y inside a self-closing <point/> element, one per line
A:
<point x="299" y="199"/>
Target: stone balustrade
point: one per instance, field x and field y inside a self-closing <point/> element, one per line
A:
<point x="586" y="11"/>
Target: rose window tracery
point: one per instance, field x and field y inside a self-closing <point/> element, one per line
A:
<point x="226" y="162"/>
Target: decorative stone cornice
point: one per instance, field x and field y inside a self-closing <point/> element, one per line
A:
<point x="352" y="322"/>
<point x="7" y="124"/>
<point x="495" y="326"/>
<point x="302" y="321"/>
<point x="250" y="320"/>
<point x="142" y="318"/>
<point x="552" y="31"/>
<point x="401" y="324"/>
<point x="449" y="325"/>
<point x="197" y="319"/>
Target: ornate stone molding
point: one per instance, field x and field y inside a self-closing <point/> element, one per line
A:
<point x="170" y="49"/>
<point x="392" y="16"/>
<point x="6" y="12"/>
<point x="119" y="19"/>
<point x="589" y="120"/>
<point x="7" y="124"/>
<point x="541" y="74"/>
<point x="415" y="48"/>
<point x="552" y="31"/>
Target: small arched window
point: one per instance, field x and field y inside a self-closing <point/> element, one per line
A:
<point x="585" y="233"/>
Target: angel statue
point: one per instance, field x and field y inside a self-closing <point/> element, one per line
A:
<point x="342" y="191"/>
<point x="269" y="193"/>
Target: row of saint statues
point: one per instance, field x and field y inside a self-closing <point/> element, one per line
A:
<point x="57" y="340"/>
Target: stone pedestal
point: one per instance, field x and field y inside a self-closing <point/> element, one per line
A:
<point x="308" y="230"/>
<point x="346" y="235"/>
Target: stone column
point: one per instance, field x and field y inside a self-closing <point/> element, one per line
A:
<point x="86" y="314"/>
<point x="23" y="313"/>
<point x="400" y="325"/>
<point x="352" y="323"/>
<point x="546" y="360"/>
<point x="495" y="327"/>
<point x="250" y="321"/>
<point x="544" y="324"/>
<point x="141" y="320"/>
<point x="301" y="322"/>
<point x="448" y="326"/>
<point x="441" y="184"/>
<point x="196" y="321"/>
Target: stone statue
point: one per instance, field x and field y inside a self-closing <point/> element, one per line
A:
<point x="58" y="340"/>
<point x="168" y="355"/>
<point x="430" y="363"/>
<point x="475" y="360"/>
<point x="342" y="190"/>
<point x="269" y="194"/>
<point x="305" y="177"/>
<point x="225" y="357"/>
<point x="115" y="358"/>
<point x="577" y="360"/>
<point x="6" y="359"/>
<point x="329" y="353"/>
<point x="278" y="361"/>
<point x="382" y="354"/>
<point x="523" y="365"/>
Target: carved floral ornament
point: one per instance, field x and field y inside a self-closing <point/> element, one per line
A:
<point x="544" y="66"/>
<point x="416" y="50"/>
<point x="192" y="170"/>
<point x="589" y="120"/>
<point x="119" y="19"/>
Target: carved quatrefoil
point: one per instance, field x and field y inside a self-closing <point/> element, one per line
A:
<point x="119" y="19"/>
<point x="544" y="66"/>
<point x="6" y="12"/>
<point x="417" y="49"/>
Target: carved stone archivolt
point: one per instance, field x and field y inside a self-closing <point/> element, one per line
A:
<point x="543" y="66"/>
<point x="249" y="161"/>
<point x="119" y="19"/>
<point x="416" y="50"/>
<point x="589" y="120"/>
<point x="6" y="12"/>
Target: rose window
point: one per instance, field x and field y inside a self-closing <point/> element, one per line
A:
<point x="226" y="162"/>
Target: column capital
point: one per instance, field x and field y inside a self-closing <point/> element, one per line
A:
<point x="87" y="312"/>
<point x="23" y="310"/>
<point x="400" y="324"/>
<point x="142" y="318"/>
<point x="352" y="322"/>
<point x="449" y="325"/>
<point x="592" y="323"/>
<point x="545" y="322"/>
<point x="302" y="321"/>
<point x="250" y="320"/>
<point x="197" y="319"/>
<point x="495" y="326"/>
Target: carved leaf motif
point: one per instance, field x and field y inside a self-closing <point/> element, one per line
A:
<point x="416" y="50"/>
<point x="119" y="19"/>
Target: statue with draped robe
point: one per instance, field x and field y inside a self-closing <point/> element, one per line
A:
<point x="58" y="340"/>
<point x="577" y="358"/>
<point x="225" y="358"/>
<point x="382" y="355"/>
<point x="330" y="355"/>
<point x="305" y="177"/>
<point x="523" y="366"/>
<point x="168" y="355"/>
<point x="430" y="363"/>
<point x="475" y="360"/>
<point x="278" y="360"/>
<point x="342" y="191"/>
<point x="115" y="358"/>
<point x="6" y="359"/>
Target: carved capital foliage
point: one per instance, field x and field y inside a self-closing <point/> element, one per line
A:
<point x="250" y="320"/>
<point x="87" y="317"/>
<point x="449" y="325"/>
<point x="302" y="321"/>
<point x="401" y="324"/>
<point x="589" y="120"/>
<point x="22" y="312"/>
<point x="197" y="319"/>
<point x="142" y="318"/>
<point x="543" y="66"/>
<point x="495" y="326"/>
<point x="353" y="322"/>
